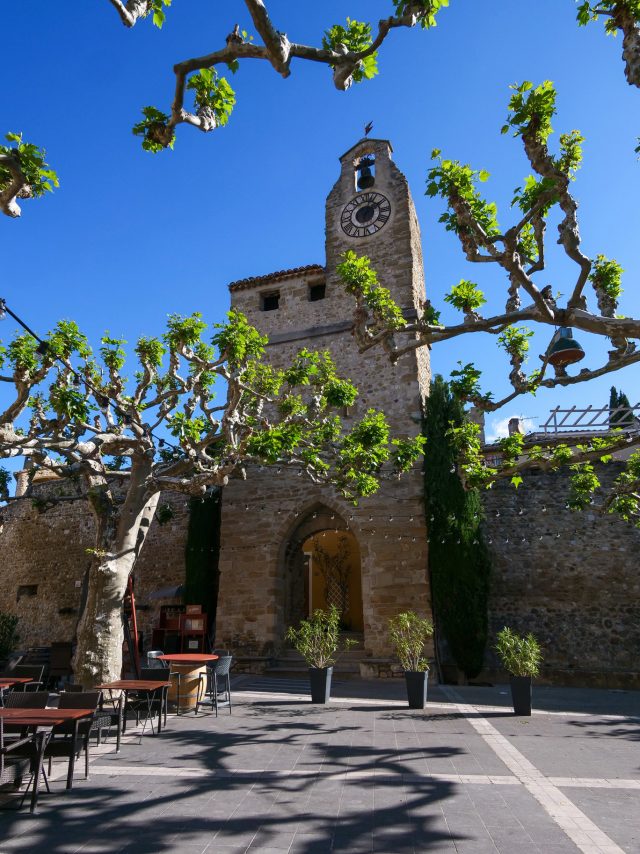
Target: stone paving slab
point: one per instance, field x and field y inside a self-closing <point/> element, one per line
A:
<point x="616" y="811"/>
<point x="577" y="746"/>
<point x="367" y="775"/>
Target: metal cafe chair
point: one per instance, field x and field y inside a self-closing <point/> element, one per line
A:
<point x="153" y="659"/>
<point x="215" y="686"/>
<point x="35" y="672"/>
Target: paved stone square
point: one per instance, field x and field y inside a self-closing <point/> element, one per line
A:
<point x="364" y="774"/>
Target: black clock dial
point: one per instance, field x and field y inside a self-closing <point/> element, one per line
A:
<point x="366" y="214"/>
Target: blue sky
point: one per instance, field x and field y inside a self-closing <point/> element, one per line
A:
<point x="130" y="237"/>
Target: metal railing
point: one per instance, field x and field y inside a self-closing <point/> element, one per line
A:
<point x="590" y="419"/>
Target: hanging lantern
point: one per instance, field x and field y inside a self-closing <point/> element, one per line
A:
<point x="365" y="178"/>
<point x="564" y="349"/>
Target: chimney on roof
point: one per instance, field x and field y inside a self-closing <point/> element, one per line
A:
<point x="515" y="426"/>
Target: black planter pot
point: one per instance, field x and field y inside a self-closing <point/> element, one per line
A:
<point x="416" y="688"/>
<point x="521" y="694"/>
<point x="320" y="679"/>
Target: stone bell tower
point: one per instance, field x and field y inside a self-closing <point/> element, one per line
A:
<point x="273" y="523"/>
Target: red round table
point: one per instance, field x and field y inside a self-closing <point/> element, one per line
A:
<point x="191" y="668"/>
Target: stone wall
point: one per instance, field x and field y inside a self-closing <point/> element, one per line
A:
<point x="47" y="550"/>
<point x="572" y="579"/>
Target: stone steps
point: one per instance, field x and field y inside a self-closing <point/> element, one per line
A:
<point x="291" y="665"/>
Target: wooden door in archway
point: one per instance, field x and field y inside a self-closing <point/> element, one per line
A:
<point x="333" y="576"/>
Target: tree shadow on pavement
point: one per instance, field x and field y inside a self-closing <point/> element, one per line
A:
<point x="332" y="810"/>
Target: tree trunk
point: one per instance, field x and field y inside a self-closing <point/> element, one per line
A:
<point x="100" y="634"/>
<point x="120" y="535"/>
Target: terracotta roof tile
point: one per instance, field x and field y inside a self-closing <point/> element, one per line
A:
<point x="253" y="281"/>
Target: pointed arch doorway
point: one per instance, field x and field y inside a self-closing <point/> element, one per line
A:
<point x="322" y="568"/>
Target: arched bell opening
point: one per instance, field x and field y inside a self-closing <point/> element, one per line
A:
<point x="322" y="567"/>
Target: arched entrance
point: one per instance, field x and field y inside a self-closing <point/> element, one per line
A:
<point x="322" y="568"/>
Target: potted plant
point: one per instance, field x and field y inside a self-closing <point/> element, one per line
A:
<point x="318" y="641"/>
<point x="409" y="634"/>
<point x="521" y="657"/>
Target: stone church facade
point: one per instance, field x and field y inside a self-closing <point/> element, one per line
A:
<point x="267" y="520"/>
<point x="570" y="578"/>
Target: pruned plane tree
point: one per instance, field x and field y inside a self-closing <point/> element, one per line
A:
<point x="119" y="442"/>
<point x="517" y="253"/>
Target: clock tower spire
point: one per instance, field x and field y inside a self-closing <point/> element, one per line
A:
<point x="370" y="210"/>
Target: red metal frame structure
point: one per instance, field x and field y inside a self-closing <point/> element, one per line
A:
<point x="134" y="626"/>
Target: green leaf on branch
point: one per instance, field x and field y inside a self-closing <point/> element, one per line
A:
<point x="512" y="448"/>
<point x="22" y="354"/>
<point x="157" y="8"/>
<point x="31" y="160"/>
<point x="361" y="280"/>
<point x="155" y="130"/>
<point x="454" y="181"/>
<point x="532" y="113"/>
<point x="515" y="340"/>
<point x="237" y="340"/>
<point x="112" y="352"/>
<point x="465" y="381"/>
<point x="584" y="483"/>
<point x="150" y="351"/>
<point x="465" y="296"/>
<point x="69" y="403"/>
<point x="425" y="9"/>
<point x="356" y="37"/>
<point x="213" y="92"/>
<point x="588" y="12"/>
<point x="606" y="276"/>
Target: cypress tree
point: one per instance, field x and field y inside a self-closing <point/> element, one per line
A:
<point x="459" y="564"/>
<point x="616" y="400"/>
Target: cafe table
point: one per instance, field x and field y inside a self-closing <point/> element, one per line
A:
<point x="41" y="722"/>
<point x="189" y="668"/>
<point x="146" y="687"/>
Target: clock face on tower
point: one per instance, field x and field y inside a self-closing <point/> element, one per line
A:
<point x="365" y="214"/>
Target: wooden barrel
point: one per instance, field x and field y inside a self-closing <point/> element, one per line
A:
<point x="190" y="684"/>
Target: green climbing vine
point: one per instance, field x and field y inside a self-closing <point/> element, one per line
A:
<point x="459" y="564"/>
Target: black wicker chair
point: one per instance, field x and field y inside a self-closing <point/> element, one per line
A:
<point x="35" y="672"/>
<point x="108" y="715"/>
<point x="26" y="700"/>
<point x="18" y="752"/>
<point x="62" y="743"/>
<point x="215" y="686"/>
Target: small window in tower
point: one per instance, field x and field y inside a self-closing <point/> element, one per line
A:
<point x="317" y="292"/>
<point x="27" y="590"/>
<point x="270" y="302"/>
